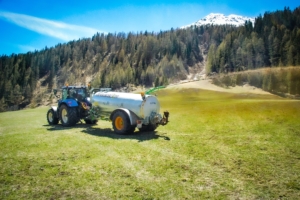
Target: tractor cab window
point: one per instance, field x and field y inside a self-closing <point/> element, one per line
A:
<point x="64" y="93"/>
<point x="76" y="93"/>
<point x="81" y="94"/>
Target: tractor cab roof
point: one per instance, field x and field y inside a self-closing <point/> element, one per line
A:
<point x="74" y="87"/>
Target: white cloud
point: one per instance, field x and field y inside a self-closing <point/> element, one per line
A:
<point x="63" y="31"/>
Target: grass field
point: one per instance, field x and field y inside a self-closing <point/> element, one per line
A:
<point x="216" y="146"/>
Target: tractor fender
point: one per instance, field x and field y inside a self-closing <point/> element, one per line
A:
<point x="70" y="102"/>
<point x="132" y="116"/>
<point x="54" y="108"/>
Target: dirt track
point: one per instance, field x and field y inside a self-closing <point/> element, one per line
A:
<point x="207" y="85"/>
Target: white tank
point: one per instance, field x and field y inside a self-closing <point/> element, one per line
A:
<point x="110" y="101"/>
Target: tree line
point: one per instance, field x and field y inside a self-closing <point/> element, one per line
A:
<point x="273" y="40"/>
<point x="112" y="60"/>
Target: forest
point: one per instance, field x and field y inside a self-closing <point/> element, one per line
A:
<point x="273" y="40"/>
<point x="151" y="59"/>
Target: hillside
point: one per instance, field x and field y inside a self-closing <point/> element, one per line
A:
<point x="207" y="84"/>
<point x="282" y="81"/>
<point x="151" y="59"/>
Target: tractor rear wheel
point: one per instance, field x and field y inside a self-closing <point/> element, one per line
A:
<point x="68" y="115"/>
<point x="51" y="117"/>
<point x="121" y="123"/>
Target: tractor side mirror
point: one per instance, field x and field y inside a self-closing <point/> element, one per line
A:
<point x="55" y="93"/>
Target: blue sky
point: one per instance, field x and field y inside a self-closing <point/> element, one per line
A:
<point x="28" y="25"/>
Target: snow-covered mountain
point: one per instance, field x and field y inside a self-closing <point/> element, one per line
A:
<point x="221" y="19"/>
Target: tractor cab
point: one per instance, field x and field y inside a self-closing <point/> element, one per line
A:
<point x="75" y="92"/>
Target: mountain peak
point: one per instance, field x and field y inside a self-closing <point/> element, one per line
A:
<point x="221" y="19"/>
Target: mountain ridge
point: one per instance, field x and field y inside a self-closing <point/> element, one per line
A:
<point x="221" y="19"/>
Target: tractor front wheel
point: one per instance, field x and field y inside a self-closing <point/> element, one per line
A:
<point x="68" y="115"/>
<point x="121" y="123"/>
<point x="51" y="117"/>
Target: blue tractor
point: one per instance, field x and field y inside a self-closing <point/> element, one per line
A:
<point x="72" y="107"/>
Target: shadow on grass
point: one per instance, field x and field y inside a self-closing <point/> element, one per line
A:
<point x="109" y="133"/>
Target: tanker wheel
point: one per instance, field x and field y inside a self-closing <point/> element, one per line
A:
<point x="121" y="123"/>
<point x="51" y="117"/>
<point x="149" y="127"/>
<point x="68" y="115"/>
<point x="132" y="128"/>
<point x="152" y="127"/>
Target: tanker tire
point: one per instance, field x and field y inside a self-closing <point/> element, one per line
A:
<point x="68" y="115"/>
<point x="132" y="129"/>
<point x="143" y="129"/>
<point x="51" y="117"/>
<point x="152" y="127"/>
<point x="121" y="123"/>
<point x="149" y="127"/>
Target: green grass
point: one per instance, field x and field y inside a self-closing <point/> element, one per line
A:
<point x="216" y="146"/>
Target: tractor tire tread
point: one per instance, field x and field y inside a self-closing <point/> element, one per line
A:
<point x="72" y="115"/>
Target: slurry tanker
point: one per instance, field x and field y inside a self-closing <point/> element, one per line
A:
<point x="127" y="111"/>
